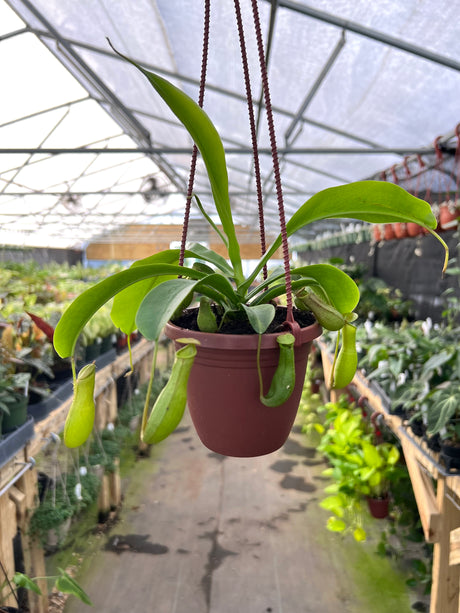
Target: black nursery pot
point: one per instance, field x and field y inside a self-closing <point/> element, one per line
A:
<point x="450" y="455"/>
<point x="433" y="442"/>
<point x="398" y="410"/>
<point x="418" y="427"/>
<point x="17" y="415"/>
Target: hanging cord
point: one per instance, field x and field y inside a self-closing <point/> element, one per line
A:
<point x="204" y="63"/>
<point x="456" y="165"/>
<point x="436" y="167"/>
<point x="406" y="168"/>
<point x="419" y="175"/>
<point x="252" y="124"/>
<point x="276" y="168"/>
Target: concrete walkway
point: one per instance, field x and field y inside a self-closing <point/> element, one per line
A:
<point x="200" y="533"/>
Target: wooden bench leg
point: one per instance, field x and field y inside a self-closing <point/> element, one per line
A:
<point x="445" y="587"/>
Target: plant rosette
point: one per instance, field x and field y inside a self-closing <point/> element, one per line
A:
<point x="155" y="290"/>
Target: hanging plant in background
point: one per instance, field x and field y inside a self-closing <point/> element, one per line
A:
<point x="237" y="319"/>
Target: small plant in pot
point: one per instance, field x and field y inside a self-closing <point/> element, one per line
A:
<point x="241" y="360"/>
<point x="13" y="398"/>
<point x="380" y="468"/>
<point x="443" y="418"/>
<point x="62" y="582"/>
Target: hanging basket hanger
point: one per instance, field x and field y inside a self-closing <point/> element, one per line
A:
<point x="290" y="322"/>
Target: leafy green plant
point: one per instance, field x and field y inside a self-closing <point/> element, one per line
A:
<point x="49" y="516"/>
<point x="62" y="582"/>
<point x="359" y="468"/>
<point x="13" y="386"/>
<point x="63" y="502"/>
<point x="154" y="290"/>
<point x="419" y="369"/>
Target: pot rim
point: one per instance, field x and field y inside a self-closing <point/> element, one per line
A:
<point x="215" y="340"/>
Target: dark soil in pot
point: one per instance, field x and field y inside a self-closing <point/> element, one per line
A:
<point x="188" y="319"/>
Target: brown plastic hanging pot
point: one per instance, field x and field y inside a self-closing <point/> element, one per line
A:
<point x="223" y="390"/>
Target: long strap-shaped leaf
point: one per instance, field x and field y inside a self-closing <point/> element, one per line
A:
<point x="163" y="300"/>
<point x="127" y="302"/>
<point x="372" y="201"/>
<point x="208" y="141"/>
<point x="84" y="306"/>
<point x="341" y="290"/>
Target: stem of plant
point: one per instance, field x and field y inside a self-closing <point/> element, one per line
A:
<point x="446" y="249"/>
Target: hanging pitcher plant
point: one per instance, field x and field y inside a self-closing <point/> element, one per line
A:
<point x="157" y="289"/>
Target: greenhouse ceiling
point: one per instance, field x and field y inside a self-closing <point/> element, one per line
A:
<point x="87" y="148"/>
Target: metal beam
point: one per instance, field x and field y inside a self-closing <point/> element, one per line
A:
<point x="84" y="74"/>
<point x="14" y="33"/>
<point x="235" y="193"/>
<point x="209" y="86"/>
<point x="381" y="37"/>
<point x="44" y="111"/>
<point x="229" y="151"/>
<point x="135" y="128"/>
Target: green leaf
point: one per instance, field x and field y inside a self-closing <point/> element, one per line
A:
<point x="371" y="455"/>
<point x="26" y="582"/>
<point x="419" y="566"/>
<point x="208" y="141"/>
<point x="373" y="201"/>
<point x="436" y="361"/>
<point x="65" y="583"/>
<point x="375" y="479"/>
<point x="159" y="305"/>
<point x="366" y="473"/>
<point x="340" y="289"/>
<point x="332" y="489"/>
<point x="203" y="253"/>
<point x="260" y="316"/>
<point x="84" y="306"/>
<point x="218" y="283"/>
<point x="210" y="221"/>
<point x="441" y="412"/>
<point x="126" y="302"/>
<point x="359" y="534"/>
<point x="393" y="456"/>
<point x="334" y="504"/>
<point x="335" y="525"/>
